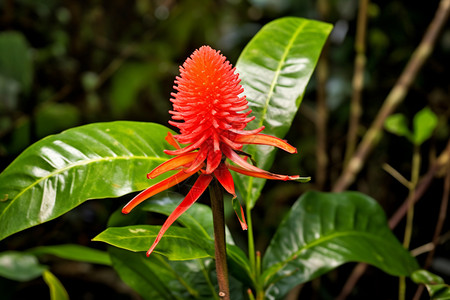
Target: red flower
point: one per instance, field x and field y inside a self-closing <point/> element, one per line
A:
<point x="209" y="112"/>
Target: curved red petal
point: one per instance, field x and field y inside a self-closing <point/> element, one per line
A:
<point x="199" y="187"/>
<point x="172" y="164"/>
<point x="250" y="170"/>
<point x="155" y="189"/>
<point x="214" y="159"/>
<point x="264" y="139"/>
<point x="239" y="213"/>
<point x="198" y="162"/>
<point x="226" y="180"/>
<point x="171" y="140"/>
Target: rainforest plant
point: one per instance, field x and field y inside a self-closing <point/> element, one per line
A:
<point x="229" y="119"/>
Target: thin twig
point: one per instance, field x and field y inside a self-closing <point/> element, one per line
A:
<point x="396" y="174"/>
<point x="358" y="80"/>
<point x="395" y="97"/>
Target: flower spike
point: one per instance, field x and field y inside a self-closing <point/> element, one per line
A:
<point x="211" y="113"/>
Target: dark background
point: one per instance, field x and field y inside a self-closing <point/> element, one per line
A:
<point x="95" y="61"/>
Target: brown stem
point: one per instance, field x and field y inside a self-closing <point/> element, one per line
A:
<point x="358" y="80"/>
<point x="395" y="97"/>
<point x="216" y="196"/>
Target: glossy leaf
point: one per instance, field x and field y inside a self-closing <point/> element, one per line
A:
<point x="178" y="243"/>
<point x="20" y="266"/>
<point x="57" y="290"/>
<point x="74" y="252"/>
<point x="437" y="289"/>
<point x="325" y="230"/>
<point x="425" y="122"/>
<point x="199" y="219"/>
<point x="62" y="171"/>
<point x="142" y="274"/>
<point x="275" y="68"/>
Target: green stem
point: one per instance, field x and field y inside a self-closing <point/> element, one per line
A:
<point x="415" y="170"/>
<point x="251" y="242"/>
<point x="217" y="207"/>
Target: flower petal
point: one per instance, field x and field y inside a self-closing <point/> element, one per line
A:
<point x="155" y="189"/>
<point x="226" y="180"/>
<point x="171" y="140"/>
<point x="198" y="162"/>
<point x="264" y="139"/>
<point x="172" y="164"/>
<point x="214" y="158"/>
<point x="250" y="170"/>
<point x="239" y="213"/>
<point x="188" y="148"/>
<point x="263" y="174"/>
<point x="199" y="187"/>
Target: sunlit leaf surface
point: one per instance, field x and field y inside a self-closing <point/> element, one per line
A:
<point x="275" y="68"/>
<point x="62" y="171"/>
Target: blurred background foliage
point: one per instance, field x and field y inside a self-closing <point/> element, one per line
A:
<point x="67" y="63"/>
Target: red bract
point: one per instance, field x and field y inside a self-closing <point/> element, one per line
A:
<point x="211" y="116"/>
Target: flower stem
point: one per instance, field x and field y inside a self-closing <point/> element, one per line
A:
<point x="216" y="196"/>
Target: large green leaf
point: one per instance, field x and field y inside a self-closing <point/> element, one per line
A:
<point x="178" y="243"/>
<point x="199" y="219"/>
<point x="74" y="252"/>
<point x="325" y="230"/>
<point x="62" y="171"/>
<point x="275" y="68"/>
<point x="437" y="288"/>
<point x="143" y="274"/>
<point x="20" y="266"/>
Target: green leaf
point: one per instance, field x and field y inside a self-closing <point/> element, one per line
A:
<point x="198" y="217"/>
<point x="435" y="285"/>
<point x="57" y="290"/>
<point x="178" y="243"/>
<point x="275" y="68"/>
<point x="397" y="124"/>
<point x="15" y="59"/>
<point x="20" y="266"/>
<point x="425" y="122"/>
<point x="325" y="230"/>
<point x="60" y="172"/>
<point x="142" y="274"/>
<point x="74" y="252"/>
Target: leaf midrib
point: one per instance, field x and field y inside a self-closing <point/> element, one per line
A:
<point x="271" y="92"/>
<point x="77" y="164"/>
<point x="295" y="254"/>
